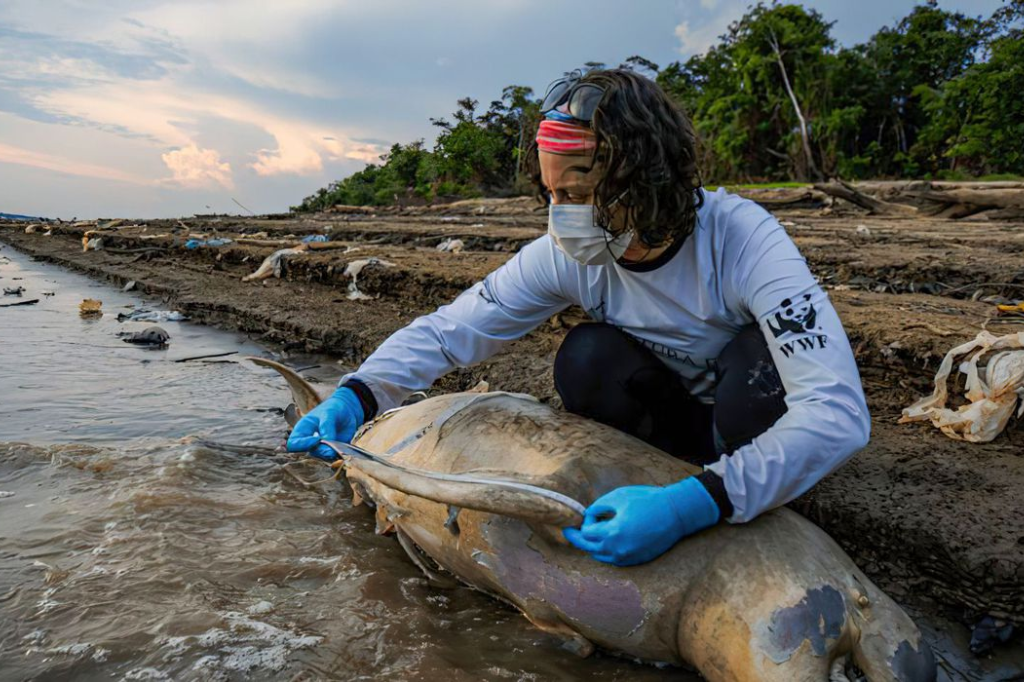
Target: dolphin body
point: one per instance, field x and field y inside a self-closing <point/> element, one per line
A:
<point x="773" y="600"/>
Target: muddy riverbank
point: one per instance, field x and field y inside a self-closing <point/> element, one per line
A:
<point x="933" y="521"/>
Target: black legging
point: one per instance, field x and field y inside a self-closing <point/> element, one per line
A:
<point x="607" y="375"/>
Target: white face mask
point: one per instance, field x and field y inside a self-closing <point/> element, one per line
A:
<point x="575" y="231"/>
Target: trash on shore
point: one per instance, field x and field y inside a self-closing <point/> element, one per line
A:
<point x="90" y="307"/>
<point x="451" y="245"/>
<point x="988" y="632"/>
<point x="192" y="244"/>
<point x="1010" y="309"/>
<point x="94" y="244"/>
<point x="14" y="291"/>
<point x="272" y="264"/>
<point x="994" y="391"/>
<point x="154" y="337"/>
<point x="144" y="315"/>
<point x="353" y="269"/>
<point x="130" y="286"/>
<point x="311" y="238"/>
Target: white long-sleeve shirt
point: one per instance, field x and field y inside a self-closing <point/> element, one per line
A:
<point x="738" y="267"/>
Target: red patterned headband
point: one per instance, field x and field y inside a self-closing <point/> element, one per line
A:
<point x="560" y="137"/>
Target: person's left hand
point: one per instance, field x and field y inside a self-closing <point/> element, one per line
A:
<point x="637" y="523"/>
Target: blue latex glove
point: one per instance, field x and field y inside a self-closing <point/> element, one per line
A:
<point x="336" y="418"/>
<point x="637" y="523"/>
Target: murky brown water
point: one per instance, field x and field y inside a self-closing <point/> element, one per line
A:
<point x="128" y="551"/>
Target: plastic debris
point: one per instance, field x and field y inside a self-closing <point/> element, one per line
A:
<point x="130" y="286"/>
<point x="90" y="307"/>
<point x="94" y="244"/>
<point x="308" y="239"/>
<point x="154" y="337"/>
<point x="994" y="390"/>
<point x="192" y="244"/>
<point x="272" y="264"/>
<point x="353" y="269"/>
<point x="451" y="245"/>
<point x="144" y="315"/>
<point x="989" y="632"/>
<point x="14" y="291"/>
<point x="1010" y="309"/>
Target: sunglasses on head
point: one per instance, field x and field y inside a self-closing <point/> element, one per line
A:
<point x="581" y="99"/>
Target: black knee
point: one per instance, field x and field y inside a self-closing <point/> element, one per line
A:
<point x="607" y="375"/>
<point x="594" y="368"/>
<point x="749" y="396"/>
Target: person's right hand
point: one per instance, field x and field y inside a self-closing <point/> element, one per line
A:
<point x="336" y="418"/>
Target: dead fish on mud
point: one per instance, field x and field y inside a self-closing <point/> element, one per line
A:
<point x="772" y="600"/>
<point x="152" y="337"/>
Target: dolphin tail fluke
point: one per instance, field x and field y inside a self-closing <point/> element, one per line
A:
<point x="304" y="395"/>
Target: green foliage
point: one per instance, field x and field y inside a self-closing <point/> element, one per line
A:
<point x="474" y="155"/>
<point x="935" y="95"/>
<point x="977" y="118"/>
<point x="872" y="109"/>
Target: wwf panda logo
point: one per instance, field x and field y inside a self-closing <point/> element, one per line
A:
<point x="796" y="316"/>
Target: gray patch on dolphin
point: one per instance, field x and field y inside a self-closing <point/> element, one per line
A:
<point x="909" y="664"/>
<point x="614" y="604"/>
<point x="817" y="618"/>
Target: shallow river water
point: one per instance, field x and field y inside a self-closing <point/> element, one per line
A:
<point x="127" y="552"/>
<point x="130" y="551"/>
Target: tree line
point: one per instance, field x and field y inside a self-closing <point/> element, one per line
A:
<point x="937" y="95"/>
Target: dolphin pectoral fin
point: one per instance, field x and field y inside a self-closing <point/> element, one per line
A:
<point x="418" y="557"/>
<point x="571" y="639"/>
<point x="303" y="393"/>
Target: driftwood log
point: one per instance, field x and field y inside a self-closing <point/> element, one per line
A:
<point x="846" y="191"/>
<point x="999" y="201"/>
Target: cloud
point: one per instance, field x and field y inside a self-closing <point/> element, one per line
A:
<point x="694" y="42"/>
<point x="261" y="47"/>
<point x="165" y="110"/>
<point x="61" y="164"/>
<point x="194" y="167"/>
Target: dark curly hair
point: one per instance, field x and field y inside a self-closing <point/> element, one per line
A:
<point x="648" y="148"/>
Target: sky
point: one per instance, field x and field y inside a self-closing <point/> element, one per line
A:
<point x="162" y="108"/>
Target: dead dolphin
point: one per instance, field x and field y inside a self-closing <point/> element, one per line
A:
<point x="773" y="600"/>
<point x="154" y="337"/>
